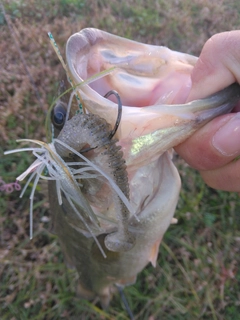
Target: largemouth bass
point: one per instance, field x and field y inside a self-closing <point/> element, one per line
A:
<point x="113" y="198"/>
<point x="151" y="82"/>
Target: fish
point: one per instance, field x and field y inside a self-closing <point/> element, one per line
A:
<point x="153" y="83"/>
<point x="113" y="193"/>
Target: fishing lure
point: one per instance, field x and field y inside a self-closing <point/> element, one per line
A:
<point x="108" y="163"/>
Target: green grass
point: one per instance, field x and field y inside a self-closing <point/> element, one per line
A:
<point x="197" y="275"/>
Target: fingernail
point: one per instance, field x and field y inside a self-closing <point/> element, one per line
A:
<point x="227" y="139"/>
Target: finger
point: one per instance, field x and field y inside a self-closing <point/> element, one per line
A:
<point x="217" y="66"/>
<point x="226" y="178"/>
<point x="214" y="145"/>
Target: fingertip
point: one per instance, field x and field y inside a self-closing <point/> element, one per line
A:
<point x="216" y="67"/>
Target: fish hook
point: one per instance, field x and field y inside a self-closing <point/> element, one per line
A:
<point x="119" y="116"/>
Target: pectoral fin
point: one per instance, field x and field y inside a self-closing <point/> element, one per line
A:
<point x="154" y="252"/>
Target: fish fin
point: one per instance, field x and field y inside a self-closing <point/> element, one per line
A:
<point x="127" y="281"/>
<point x="154" y="252"/>
<point x="174" y="221"/>
<point x="84" y="293"/>
<point x="105" y="297"/>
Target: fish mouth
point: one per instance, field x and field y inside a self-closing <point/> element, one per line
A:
<point x="144" y="74"/>
<point x="153" y="83"/>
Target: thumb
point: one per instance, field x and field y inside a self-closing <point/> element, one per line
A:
<point x="217" y="66"/>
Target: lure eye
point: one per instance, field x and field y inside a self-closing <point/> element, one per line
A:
<point x="58" y="116"/>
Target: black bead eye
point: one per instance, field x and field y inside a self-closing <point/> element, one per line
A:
<point x="58" y="116"/>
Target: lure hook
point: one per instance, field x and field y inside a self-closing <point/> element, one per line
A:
<point x="119" y="116"/>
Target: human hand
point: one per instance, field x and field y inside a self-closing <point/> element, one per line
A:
<point x="213" y="149"/>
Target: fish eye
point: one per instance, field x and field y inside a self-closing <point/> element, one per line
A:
<point x="58" y="116"/>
